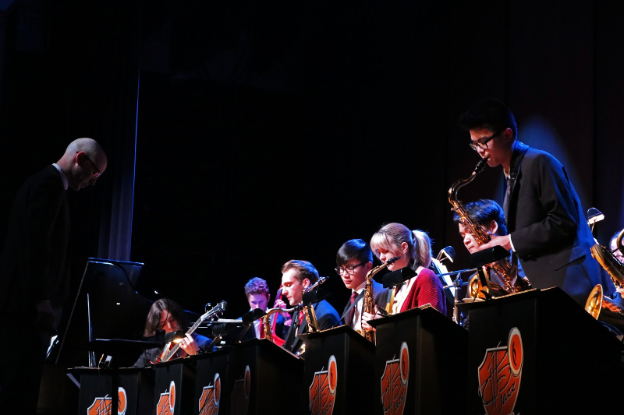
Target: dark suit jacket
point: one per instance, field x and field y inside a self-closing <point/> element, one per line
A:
<point x="326" y="316"/>
<point x="34" y="265"/>
<point x="379" y="294"/>
<point x="548" y="227"/>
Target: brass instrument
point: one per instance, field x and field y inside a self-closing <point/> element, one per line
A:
<point x="503" y="268"/>
<point x="308" y="310"/>
<point x="597" y="302"/>
<point x="369" y="297"/>
<point x="267" y="321"/>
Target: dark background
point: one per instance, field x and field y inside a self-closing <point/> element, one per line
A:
<point x="244" y="134"/>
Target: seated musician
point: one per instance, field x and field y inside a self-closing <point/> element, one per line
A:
<point x="258" y="296"/>
<point x="489" y="215"/>
<point x="167" y="315"/>
<point x="414" y="251"/>
<point x="615" y="249"/>
<point x="297" y="276"/>
<point x="355" y="260"/>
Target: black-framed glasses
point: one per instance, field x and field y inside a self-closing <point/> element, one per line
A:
<point x="347" y="270"/>
<point x="97" y="171"/>
<point x="475" y="145"/>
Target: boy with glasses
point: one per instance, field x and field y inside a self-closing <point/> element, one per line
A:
<point x="355" y="260"/>
<point x="546" y="223"/>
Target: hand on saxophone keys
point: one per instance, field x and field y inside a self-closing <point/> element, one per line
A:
<point x="369" y="316"/>
<point x="504" y="241"/>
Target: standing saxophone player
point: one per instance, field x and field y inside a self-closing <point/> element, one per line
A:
<point x="354" y="260"/>
<point x="547" y="227"/>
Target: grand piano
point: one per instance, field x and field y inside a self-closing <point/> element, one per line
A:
<point x="108" y="305"/>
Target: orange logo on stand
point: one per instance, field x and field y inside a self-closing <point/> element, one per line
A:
<point x="210" y="397"/>
<point x="167" y="401"/>
<point x="500" y="374"/>
<point x="394" y="383"/>
<point x="102" y="406"/>
<point x="323" y="389"/>
<point x="240" y="394"/>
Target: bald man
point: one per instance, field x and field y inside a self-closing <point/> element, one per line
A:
<point x="34" y="280"/>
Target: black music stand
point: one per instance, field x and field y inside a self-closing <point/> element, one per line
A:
<point x="547" y="353"/>
<point x="113" y="347"/>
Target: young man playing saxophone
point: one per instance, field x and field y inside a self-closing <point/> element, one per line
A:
<point x="354" y="260"/>
<point x="297" y="276"/>
<point x="547" y="226"/>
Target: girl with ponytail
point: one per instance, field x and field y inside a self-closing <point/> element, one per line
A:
<point x="414" y="250"/>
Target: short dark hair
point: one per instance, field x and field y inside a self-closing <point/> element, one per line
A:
<point x="155" y="312"/>
<point x="489" y="113"/>
<point x="483" y="211"/>
<point x="304" y="269"/>
<point x="257" y="286"/>
<point x="354" y="249"/>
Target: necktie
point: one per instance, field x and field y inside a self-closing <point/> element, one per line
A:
<point x="352" y="310"/>
<point x="507" y="196"/>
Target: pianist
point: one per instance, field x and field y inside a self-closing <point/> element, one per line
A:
<point x="167" y="315"/>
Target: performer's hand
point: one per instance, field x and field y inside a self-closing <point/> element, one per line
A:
<point x="366" y="317"/>
<point x="504" y="241"/>
<point x="621" y="291"/>
<point x="45" y="318"/>
<point x="189" y="345"/>
<point x="281" y="304"/>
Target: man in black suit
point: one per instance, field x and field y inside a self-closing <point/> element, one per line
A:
<point x="547" y="226"/>
<point x="355" y="260"/>
<point x="297" y="276"/>
<point x="34" y="270"/>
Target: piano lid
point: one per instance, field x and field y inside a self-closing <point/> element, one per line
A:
<point x="117" y="310"/>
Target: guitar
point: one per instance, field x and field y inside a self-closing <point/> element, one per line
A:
<point x="169" y="352"/>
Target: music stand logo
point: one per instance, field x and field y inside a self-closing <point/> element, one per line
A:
<point x="394" y="383"/>
<point x="500" y="374"/>
<point x="240" y="394"/>
<point x="322" y="391"/>
<point x="167" y="401"/>
<point x="102" y="406"/>
<point x="210" y="398"/>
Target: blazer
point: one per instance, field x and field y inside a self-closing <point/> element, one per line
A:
<point x="548" y="227"/>
<point x="326" y="316"/>
<point x="34" y="265"/>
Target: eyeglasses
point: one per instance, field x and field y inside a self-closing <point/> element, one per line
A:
<point x="97" y="171"/>
<point x="347" y="270"/>
<point x="475" y="145"/>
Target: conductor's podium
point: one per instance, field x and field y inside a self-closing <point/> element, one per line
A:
<point x="539" y="352"/>
<point x="420" y="364"/>
<point x="338" y="374"/>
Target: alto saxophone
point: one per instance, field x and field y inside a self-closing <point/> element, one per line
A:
<point x="369" y="298"/>
<point x="502" y="268"/>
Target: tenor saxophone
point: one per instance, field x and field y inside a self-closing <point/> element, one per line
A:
<point x="369" y="298"/>
<point x="502" y="268"/>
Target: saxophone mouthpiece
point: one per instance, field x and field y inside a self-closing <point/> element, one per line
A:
<point x="480" y="166"/>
